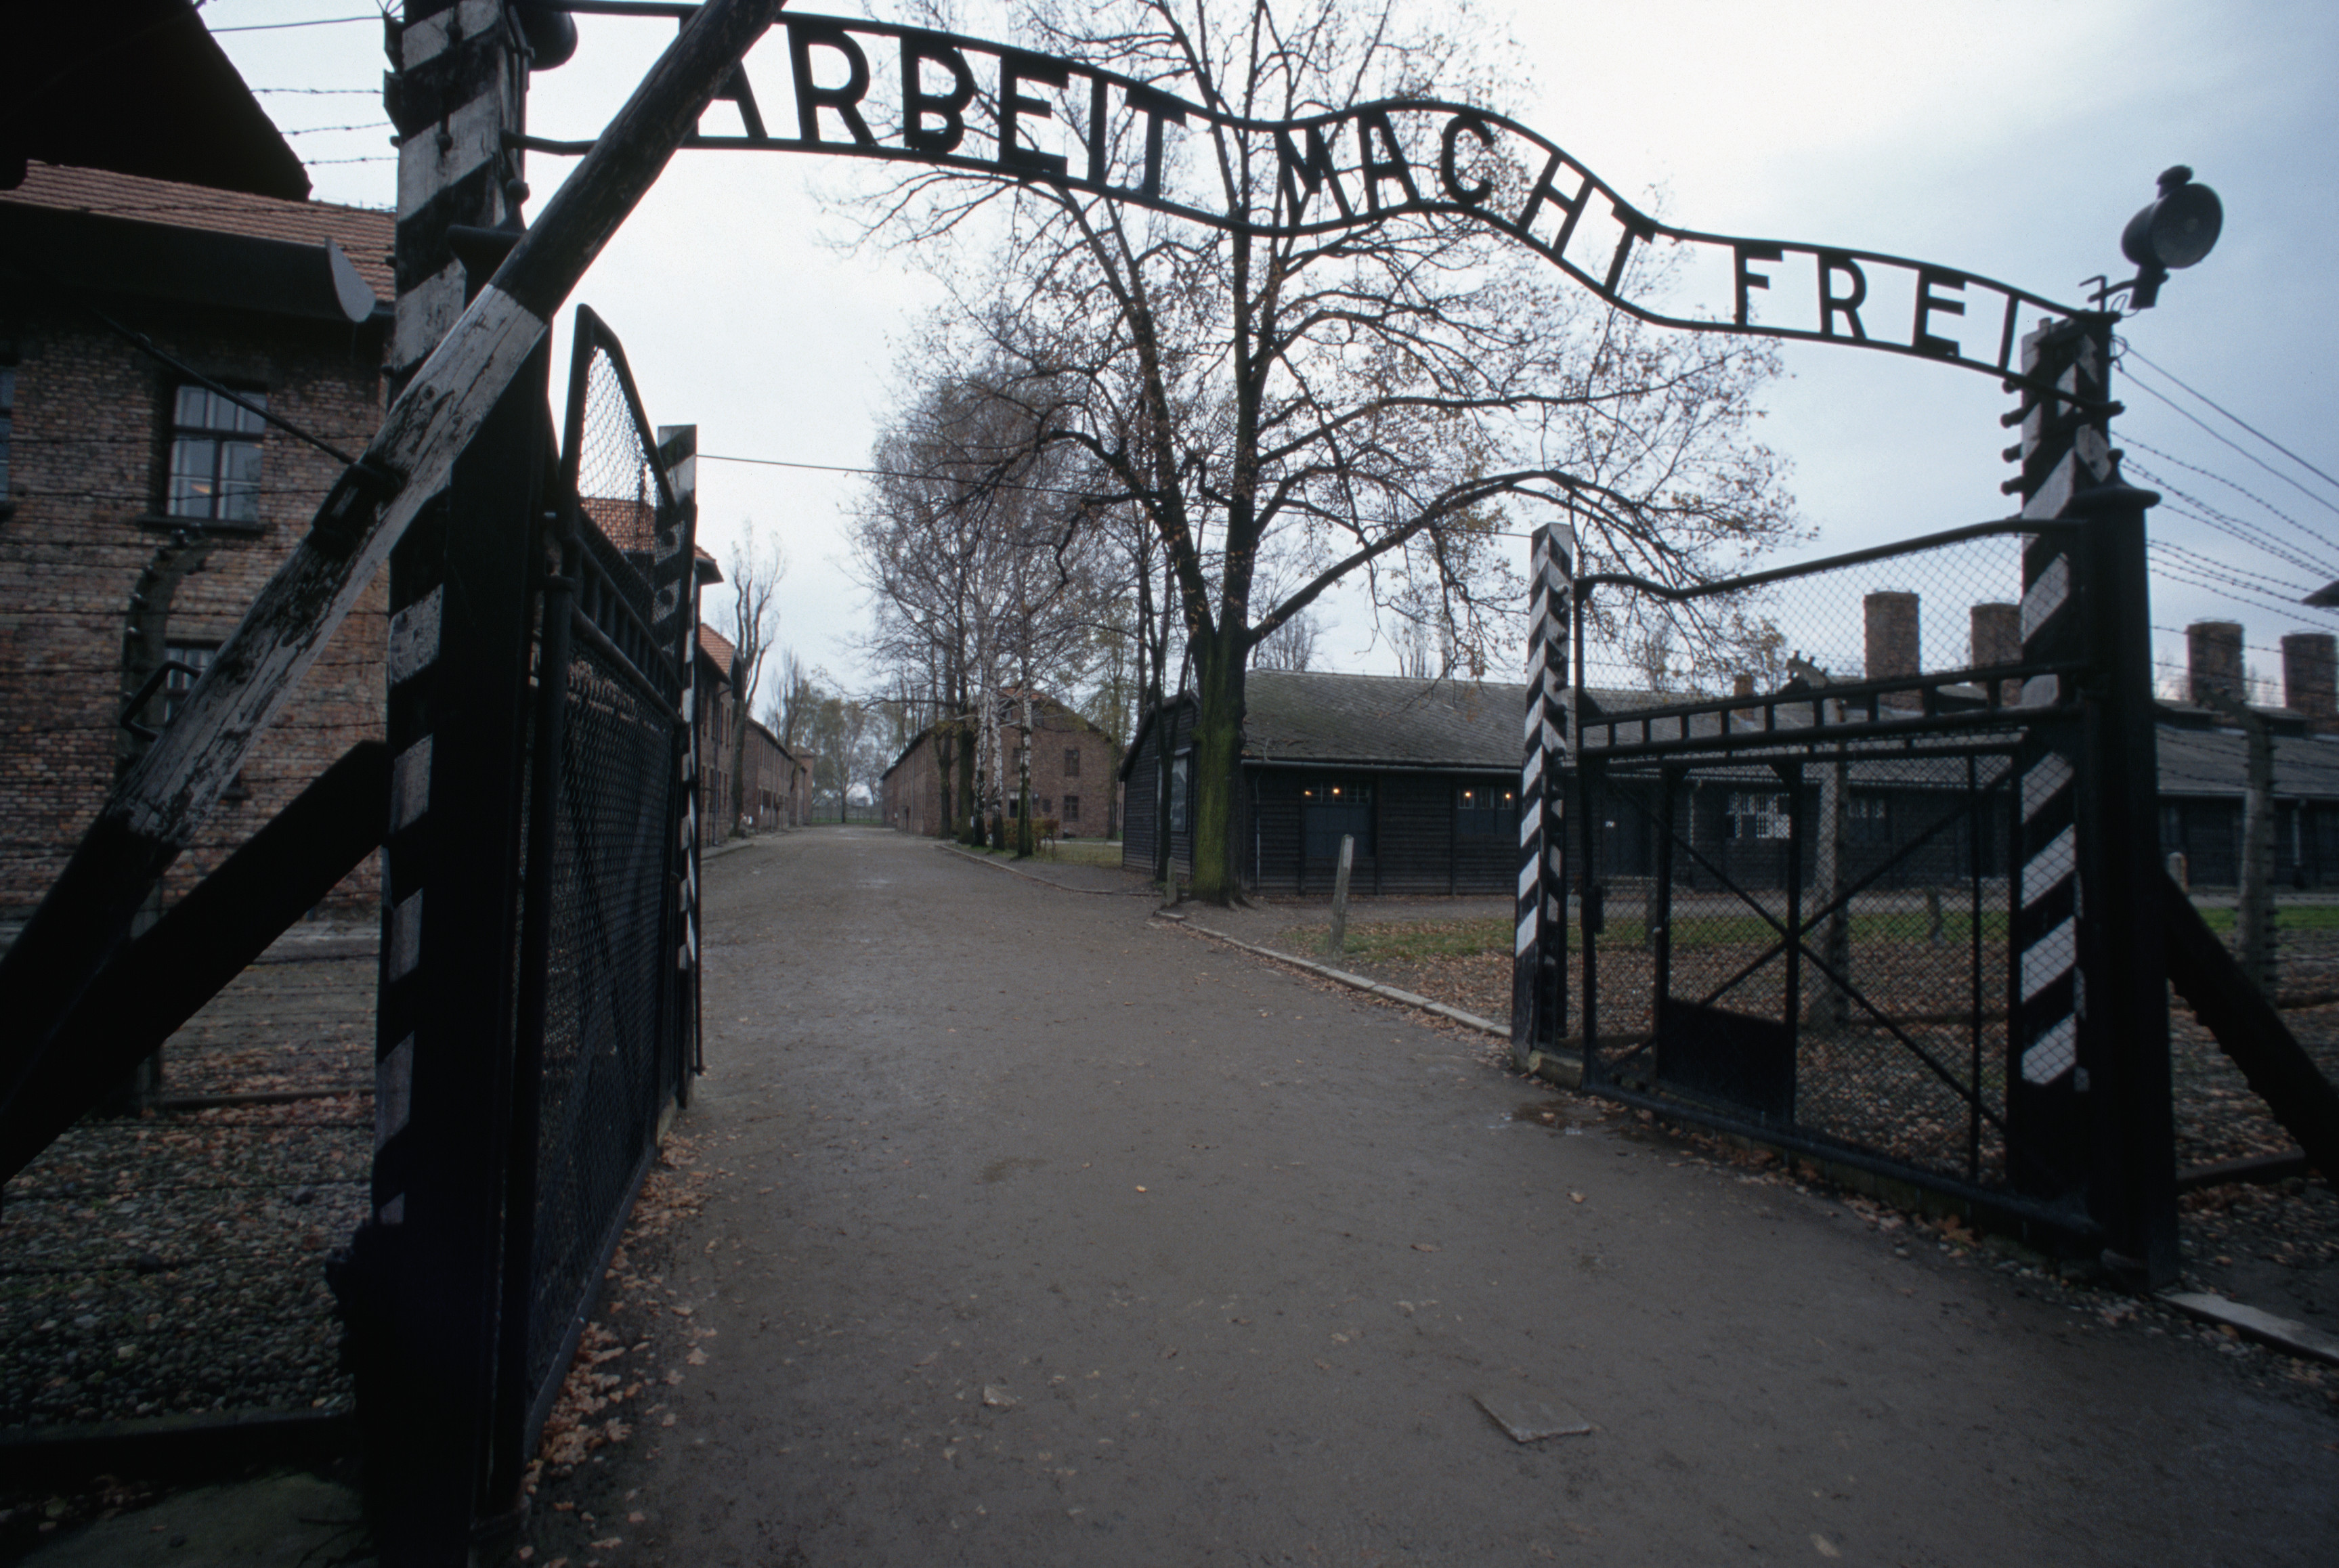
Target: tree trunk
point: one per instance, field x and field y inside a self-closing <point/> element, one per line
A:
<point x="1218" y="766"/>
<point x="738" y="763"/>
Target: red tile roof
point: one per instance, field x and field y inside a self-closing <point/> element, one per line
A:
<point x="716" y="647"/>
<point x="363" y="233"/>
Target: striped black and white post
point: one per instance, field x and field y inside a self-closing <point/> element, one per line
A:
<point x="674" y="619"/>
<point x="2063" y="451"/>
<point x="1539" y="952"/>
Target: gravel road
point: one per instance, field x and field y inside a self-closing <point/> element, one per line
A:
<point x="1038" y="1232"/>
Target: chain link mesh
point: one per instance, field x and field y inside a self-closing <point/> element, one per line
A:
<point x="613" y="1019"/>
<point x="1798" y="800"/>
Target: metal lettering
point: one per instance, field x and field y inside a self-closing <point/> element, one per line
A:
<point x="810" y="99"/>
<point x="1831" y="263"/>
<point x="1014" y="71"/>
<point x="1370" y="123"/>
<point x="925" y="49"/>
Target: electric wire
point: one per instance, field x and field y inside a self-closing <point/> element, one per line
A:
<point x="2146" y="388"/>
<point x="280" y="26"/>
<point x="2229" y="413"/>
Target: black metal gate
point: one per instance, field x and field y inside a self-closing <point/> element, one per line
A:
<point x="1814" y="910"/>
<point x="539" y="995"/>
<point x="608" y="990"/>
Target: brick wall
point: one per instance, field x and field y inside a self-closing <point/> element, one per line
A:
<point x="87" y="482"/>
<point x="1072" y="761"/>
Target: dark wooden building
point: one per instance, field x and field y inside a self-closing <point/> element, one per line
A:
<point x="1423" y="774"/>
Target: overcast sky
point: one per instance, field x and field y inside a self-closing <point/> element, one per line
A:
<point x="2008" y="139"/>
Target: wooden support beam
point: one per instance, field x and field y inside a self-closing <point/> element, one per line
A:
<point x="205" y="940"/>
<point x="2245" y="1024"/>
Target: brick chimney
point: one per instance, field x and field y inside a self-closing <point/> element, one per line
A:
<point x="1892" y="645"/>
<point x="1997" y="635"/>
<point x="1891" y="635"/>
<point x="2310" y="679"/>
<point x="2213" y="661"/>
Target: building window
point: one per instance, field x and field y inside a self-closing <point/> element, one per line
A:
<point x="1869" y="819"/>
<point x="1483" y="813"/>
<point x="215" y="456"/>
<point x="1332" y="809"/>
<point x="1071" y="808"/>
<point x="1071" y="762"/>
<point x="1754" y="816"/>
<point x="187" y="662"/>
<point x="1047" y="805"/>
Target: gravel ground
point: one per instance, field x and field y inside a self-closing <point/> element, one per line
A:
<point x="2275" y="1247"/>
<point x="173" y="1262"/>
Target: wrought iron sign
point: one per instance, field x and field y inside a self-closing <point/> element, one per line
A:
<point x="874" y="90"/>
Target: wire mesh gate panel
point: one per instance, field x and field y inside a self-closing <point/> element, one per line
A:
<point x="606" y="1012"/>
<point x="1804" y="905"/>
<point x="538" y="1004"/>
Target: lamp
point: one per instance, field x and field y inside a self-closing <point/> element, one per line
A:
<point x="2176" y="231"/>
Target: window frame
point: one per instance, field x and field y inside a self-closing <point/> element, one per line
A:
<point x="220" y="492"/>
<point x="1484" y="818"/>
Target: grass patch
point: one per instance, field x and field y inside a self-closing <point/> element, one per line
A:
<point x="2298" y="917"/>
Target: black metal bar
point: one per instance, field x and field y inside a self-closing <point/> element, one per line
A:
<point x="523" y="1155"/>
<point x="1661" y="948"/>
<point x="205" y="939"/>
<point x="1970" y="1096"/>
<point x="1999" y="720"/>
<point x="1587" y="800"/>
<point x="2132" y="1118"/>
<point x="1978" y="820"/>
<point x="1798" y="821"/>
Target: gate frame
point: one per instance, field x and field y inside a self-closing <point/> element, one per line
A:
<point x="2086" y="600"/>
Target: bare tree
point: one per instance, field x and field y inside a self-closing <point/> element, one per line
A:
<point x="1288" y="410"/>
<point x="756" y="568"/>
<point x="1289" y="646"/>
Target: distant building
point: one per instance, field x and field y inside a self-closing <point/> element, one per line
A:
<point x="1423" y="775"/>
<point x="1074" y="770"/>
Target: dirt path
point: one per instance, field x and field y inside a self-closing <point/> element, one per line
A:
<point x="1043" y="1234"/>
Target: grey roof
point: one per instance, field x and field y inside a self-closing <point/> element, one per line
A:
<point x="2215" y="762"/>
<point x="1292" y="715"/>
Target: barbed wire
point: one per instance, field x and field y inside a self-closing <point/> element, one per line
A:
<point x="2210" y="563"/>
<point x="2237" y="488"/>
<point x="2128" y="349"/>
<point x="2146" y="388"/>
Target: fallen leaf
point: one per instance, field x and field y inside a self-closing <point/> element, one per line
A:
<point x="697" y="1357"/>
<point x="1425" y="1246"/>
<point x="1575" y="1197"/>
<point x="1141" y="1189"/>
<point x="1827" y="1547"/>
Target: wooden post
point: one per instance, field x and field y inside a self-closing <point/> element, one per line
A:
<point x="1340" y="942"/>
<point x="2253" y="947"/>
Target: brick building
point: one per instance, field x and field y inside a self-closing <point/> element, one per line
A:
<point x="1075" y="772"/>
<point x="140" y="512"/>
<point x="779" y="783"/>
